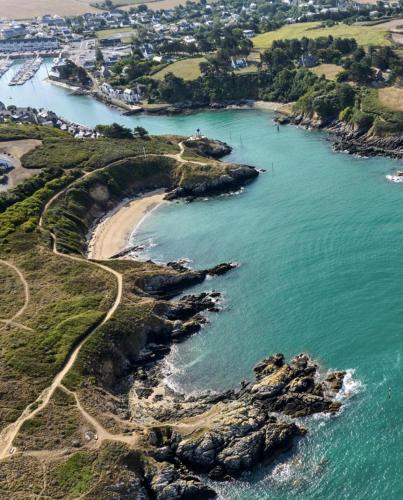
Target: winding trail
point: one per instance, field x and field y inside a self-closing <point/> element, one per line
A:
<point x="26" y="291"/>
<point x="9" y="433"/>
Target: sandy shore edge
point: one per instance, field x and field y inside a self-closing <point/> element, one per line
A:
<point x="112" y="234"/>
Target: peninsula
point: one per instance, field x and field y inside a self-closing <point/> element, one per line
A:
<point x="90" y="414"/>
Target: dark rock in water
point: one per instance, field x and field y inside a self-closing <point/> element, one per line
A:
<point x="282" y="120"/>
<point x="178" y="266"/>
<point x="221" y="269"/>
<point x="238" y="430"/>
<point x="335" y="380"/>
<point x="169" y="285"/>
<point x="188" y="306"/>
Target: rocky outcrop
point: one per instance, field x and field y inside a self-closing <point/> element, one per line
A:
<point x="237" y="430"/>
<point x="352" y="140"/>
<point x="168" y="482"/>
<point x="233" y="178"/>
<point x="168" y="285"/>
<point x="365" y="144"/>
<point x="209" y="148"/>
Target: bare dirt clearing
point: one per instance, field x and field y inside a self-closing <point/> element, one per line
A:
<point x="396" y="29"/>
<point x="26" y="9"/>
<point x="15" y="150"/>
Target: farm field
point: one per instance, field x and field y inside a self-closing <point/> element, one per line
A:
<point x="124" y="33"/>
<point x="391" y="98"/>
<point x="396" y="29"/>
<point x="329" y="70"/>
<point x="365" y="35"/>
<point x="155" y="5"/>
<point x="188" y="69"/>
<point x="25" y="9"/>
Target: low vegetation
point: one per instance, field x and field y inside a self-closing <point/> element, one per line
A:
<point x="90" y="155"/>
<point x="364" y="35"/>
<point x="188" y="69"/>
<point x="330" y="71"/>
<point x="391" y="98"/>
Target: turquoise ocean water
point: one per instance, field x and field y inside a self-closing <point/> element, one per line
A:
<point x="319" y="240"/>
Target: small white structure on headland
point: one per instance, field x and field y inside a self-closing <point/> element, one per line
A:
<point x="197" y="136"/>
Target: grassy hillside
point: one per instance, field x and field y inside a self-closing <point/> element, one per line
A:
<point x="64" y="299"/>
<point x="365" y="35"/>
<point x="385" y="120"/>
<point x="329" y="70"/>
<point x="188" y="69"/>
<point x="391" y="98"/>
<point x="72" y="215"/>
<point x="90" y="155"/>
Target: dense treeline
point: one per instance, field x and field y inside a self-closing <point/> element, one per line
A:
<point x="283" y="86"/>
<point x="360" y="66"/>
<point x="286" y="53"/>
<point x="28" y="187"/>
<point x="25" y="213"/>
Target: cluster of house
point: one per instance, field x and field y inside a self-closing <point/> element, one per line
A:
<point x="43" y="117"/>
<point x="129" y="96"/>
<point x="314" y="9"/>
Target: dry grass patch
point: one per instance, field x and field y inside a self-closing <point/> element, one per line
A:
<point x="26" y="9"/>
<point x="11" y="293"/>
<point x="188" y="69"/>
<point x="365" y="35"/>
<point x="156" y="5"/>
<point x="392" y="98"/>
<point x="59" y="425"/>
<point x="329" y="70"/>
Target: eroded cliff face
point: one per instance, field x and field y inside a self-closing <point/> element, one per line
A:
<point x="352" y="139"/>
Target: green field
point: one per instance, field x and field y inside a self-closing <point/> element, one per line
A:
<point x="125" y="32"/>
<point x="188" y="69"/>
<point x="365" y="35"/>
<point x="329" y="70"/>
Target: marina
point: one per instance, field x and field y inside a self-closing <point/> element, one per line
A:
<point x="5" y="65"/>
<point x="27" y="71"/>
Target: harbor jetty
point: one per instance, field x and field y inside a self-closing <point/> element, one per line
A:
<point x="27" y="71"/>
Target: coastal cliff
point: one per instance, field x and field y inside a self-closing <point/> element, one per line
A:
<point x="186" y="439"/>
<point x="349" y="138"/>
<point x="84" y="343"/>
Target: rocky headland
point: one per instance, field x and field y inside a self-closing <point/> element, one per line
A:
<point x="351" y="139"/>
<point x="186" y="439"/>
<point x="104" y="423"/>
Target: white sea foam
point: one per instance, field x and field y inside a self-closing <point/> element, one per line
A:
<point x="351" y="386"/>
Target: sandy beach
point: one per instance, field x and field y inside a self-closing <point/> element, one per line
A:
<point x="284" y="108"/>
<point x="112" y="234"/>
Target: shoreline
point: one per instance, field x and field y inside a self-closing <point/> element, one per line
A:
<point x="112" y="233"/>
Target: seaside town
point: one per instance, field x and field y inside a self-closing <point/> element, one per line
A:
<point x="120" y="56"/>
